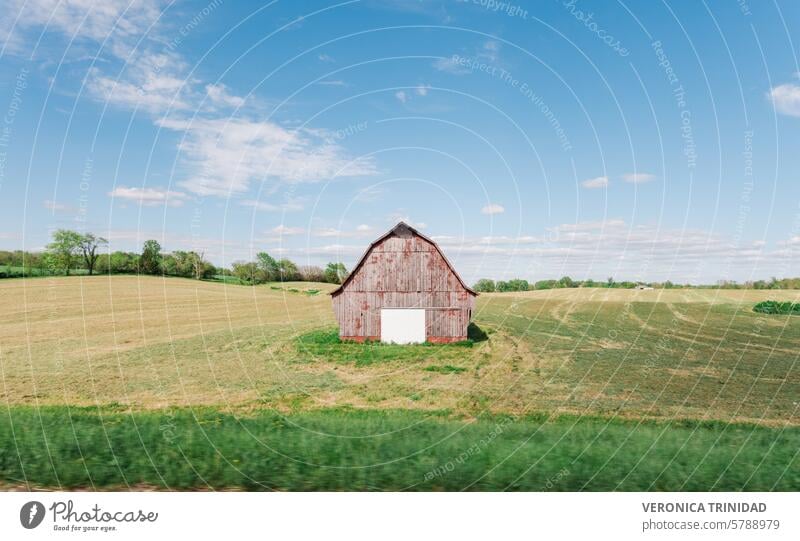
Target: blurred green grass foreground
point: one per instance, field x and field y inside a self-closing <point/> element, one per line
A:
<point x="345" y="449"/>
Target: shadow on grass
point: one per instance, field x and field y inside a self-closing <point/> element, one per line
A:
<point x="476" y="334"/>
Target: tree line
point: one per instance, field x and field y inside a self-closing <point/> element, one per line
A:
<point x="486" y="285"/>
<point x="71" y="252"/>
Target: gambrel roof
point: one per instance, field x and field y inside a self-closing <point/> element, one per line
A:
<point x="400" y="229"/>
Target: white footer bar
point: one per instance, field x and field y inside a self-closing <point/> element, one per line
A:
<point x="390" y="516"/>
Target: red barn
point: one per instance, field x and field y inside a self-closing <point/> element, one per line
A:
<point x="403" y="290"/>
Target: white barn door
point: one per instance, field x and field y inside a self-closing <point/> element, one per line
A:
<point x="403" y="325"/>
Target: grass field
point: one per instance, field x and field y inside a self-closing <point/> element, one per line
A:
<point x="590" y="381"/>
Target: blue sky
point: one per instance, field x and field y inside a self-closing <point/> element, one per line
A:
<point x="640" y="140"/>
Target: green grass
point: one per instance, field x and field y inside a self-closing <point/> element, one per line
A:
<point x="446" y="369"/>
<point x="776" y="307"/>
<point x="656" y="355"/>
<point x="9" y="271"/>
<point x="226" y="279"/>
<point x="390" y="450"/>
<point x="325" y="344"/>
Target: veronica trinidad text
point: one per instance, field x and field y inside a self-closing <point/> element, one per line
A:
<point x="703" y="507"/>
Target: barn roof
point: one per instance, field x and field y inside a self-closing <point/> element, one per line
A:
<point x="401" y="226"/>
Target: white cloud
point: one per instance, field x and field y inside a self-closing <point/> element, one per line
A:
<point x="638" y="178"/>
<point x="219" y="95"/>
<point x="370" y="194"/>
<point x="220" y="155"/>
<point x="595" y="183"/>
<point x="119" y="23"/>
<point x="157" y="83"/>
<point x="614" y="248"/>
<point x="493" y="208"/>
<point x="422" y="90"/>
<point x="588" y="226"/>
<point x="490" y="50"/>
<point x="325" y="58"/>
<point x="793" y="241"/>
<point x="149" y="197"/>
<point x="401" y="96"/>
<point x="284" y="230"/>
<point x="450" y="65"/>
<point x="327" y="232"/>
<point x="786" y="99"/>
<point x="286" y="206"/>
<point x="225" y="155"/>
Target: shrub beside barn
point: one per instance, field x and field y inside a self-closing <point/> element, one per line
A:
<point x="403" y="290"/>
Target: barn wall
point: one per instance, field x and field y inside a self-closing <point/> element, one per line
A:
<point x="404" y="272"/>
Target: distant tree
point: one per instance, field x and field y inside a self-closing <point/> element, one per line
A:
<point x="123" y="263"/>
<point x="169" y="265"/>
<point x="517" y="285"/>
<point x="150" y="260"/>
<point x="610" y="281"/>
<point x="335" y="273"/>
<point x="64" y="249"/>
<point x="312" y="274"/>
<point x="88" y="246"/>
<point x="589" y="283"/>
<point x="200" y="267"/>
<point x="287" y="271"/>
<point x="182" y="262"/>
<point x="566" y="281"/>
<point x="268" y="267"/>
<point x="484" y="285"/>
<point x="247" y="273"/>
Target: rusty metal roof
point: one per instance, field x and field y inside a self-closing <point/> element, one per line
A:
<point x="401" y="227"/>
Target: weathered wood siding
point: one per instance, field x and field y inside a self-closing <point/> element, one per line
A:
<point x="404" y="271"/>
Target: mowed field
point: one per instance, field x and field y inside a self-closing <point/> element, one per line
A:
<point x="574" y="389"/>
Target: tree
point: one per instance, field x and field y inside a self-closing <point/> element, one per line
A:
<point x="518" y="285"/>
<point x="200" y="267"/>
<point x="184" y="264"/>
<point x="312" y="274"/>
<point x="335" y="273"/>
<point x="64" y="248"/>
<point x="268" y="266"/>
<point x="287" y="270"/>
<point x="123" y="262"/>
<point x="566" y="281"/>
<point x="169" y="265"/>
<point x="88" y="246"/>
<point x="150" y="261"/>
<point x="484" y="285"/>
<point x="248" y="273"/>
